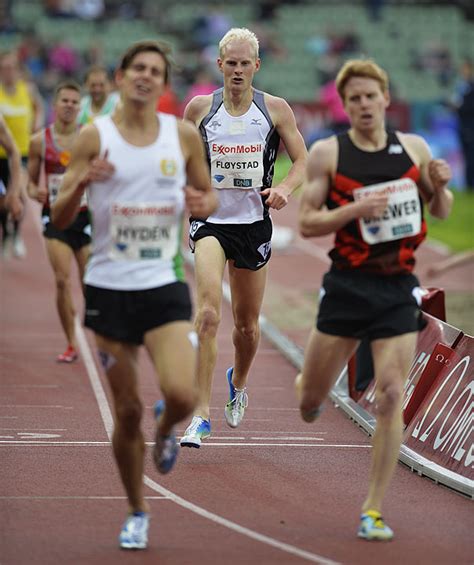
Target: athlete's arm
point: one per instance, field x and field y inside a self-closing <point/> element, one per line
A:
<point x="197" y="108"/>
<point x="314" y="218"/>
<point x="86" y="166"/>
<point x="435" y="175"/>
<point x="284" y="119"/>
<point x="39" y="193"/>
<point x="201" y="198"/>
<point x="13" y="197"/>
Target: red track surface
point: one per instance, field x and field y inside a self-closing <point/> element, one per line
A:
<point x="299" y="486"/>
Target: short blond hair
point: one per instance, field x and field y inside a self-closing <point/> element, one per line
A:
<point x="239" y="34"/>
<point x="365" y="68"/>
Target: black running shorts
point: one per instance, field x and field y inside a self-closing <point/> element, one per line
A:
<point x="358" y="304"/>
<point x="77" y="235"/>
<point x="248" y="245"/>
<point x="127" y="315"/>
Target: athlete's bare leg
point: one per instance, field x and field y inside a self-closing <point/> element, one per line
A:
<point x="127" y="441"/>
<point x="60" y="257"/>
<point x="247" y="289"/>
<point x="392" y="360"/>
<point x="209" y="270"/>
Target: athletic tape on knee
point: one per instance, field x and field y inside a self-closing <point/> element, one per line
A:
<point x="106" y="360"/>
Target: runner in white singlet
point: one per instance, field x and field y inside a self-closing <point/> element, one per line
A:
<point x="135" y="167"/>
<point x="242" y="128"/>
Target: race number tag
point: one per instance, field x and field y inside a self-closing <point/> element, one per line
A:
<point x="236" y="165"/>
<point x="144" y="231"/>
<point x="54" y="184"/>
<point x="401" y="218"/>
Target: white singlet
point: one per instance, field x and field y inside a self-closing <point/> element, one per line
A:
<point x="137" y="213"/>
<point x="241" y="151"/>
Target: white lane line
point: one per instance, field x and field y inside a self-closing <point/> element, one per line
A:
<point x="29" y="442"/>
<point x="94" y="379"/>
<point x="28" y="385"/>
<point x="314" y="558"/>
<point x="287" y="438"/>
<point x="77" y="498"/>
<point x="108" y="423"/>
<point x="55" y="406"/>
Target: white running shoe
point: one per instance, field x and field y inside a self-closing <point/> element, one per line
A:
<point x="238" y="402"/>
<point x="134" y="534"/>
<point x="19" y="249"/>
<point x="197" y="430"/>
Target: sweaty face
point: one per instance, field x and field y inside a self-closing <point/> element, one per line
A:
<point x="67" y="105"/>
<point x="365" y="103"/>
<point x="144" y="79"/>
<point x="238" y="65"/>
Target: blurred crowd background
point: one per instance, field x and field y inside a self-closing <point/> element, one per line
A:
<point x="426" y="46"/>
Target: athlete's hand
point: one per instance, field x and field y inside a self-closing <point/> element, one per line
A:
<point x="200" y="204"/>
<point x="277" y="197"/>
<point x="15" y="205"/>
<point x="100" y="169"/>
<point x="41" y="194"/>
<point x="440" y="173"/>
<point x="372" y="206"/>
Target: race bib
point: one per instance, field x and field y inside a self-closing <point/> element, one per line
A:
<point x="54" y="184"/>
<point x="144" y="231"/>
<point x="401" y="218"/>
<point x="236" y="165"/>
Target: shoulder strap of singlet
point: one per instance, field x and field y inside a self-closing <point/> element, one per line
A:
<point x="259" y="101"/>
<point x="217" y="99"/>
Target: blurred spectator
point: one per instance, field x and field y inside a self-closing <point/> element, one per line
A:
<point x="435" y="58"/>
<point x="33" y="55"/>
<point x="463" y="102"/>
<point x="89" y="9"/>
<point x="203" y="84"/>
<point x="333" y="106"/>
<point x="100" y="99"/>
<point x="168" y="102"/>
<point x="7" y="25"/>
<point x="375" y="9"/>
<point x="64" y="59"/>
<point x="58" y="8"/>
<point x="209" y="27"/>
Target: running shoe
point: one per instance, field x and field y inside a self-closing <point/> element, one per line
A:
<point x="197" y="430"/>
<point x="372" y="527"/>
<point x="19" y="249"/>
<point x="134" y="534"/>
<point x="238" y="402"/>
<point x="166" y="448"/>
<point x="69" y="356"/>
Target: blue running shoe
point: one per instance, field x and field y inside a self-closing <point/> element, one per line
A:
<point x="166" y="448"/>
<point x="372" y="527"/>
<point x="134" y="534"/>
<point x="238" y="402"/>
<point x="197" y="430"/>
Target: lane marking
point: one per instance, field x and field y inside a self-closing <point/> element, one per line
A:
<point x="36" y="406"/>
<point x="77" y="498"/>
<point x="60" y="443"/>
<point x="108" y="424"/>
<point x="314" y="558"/>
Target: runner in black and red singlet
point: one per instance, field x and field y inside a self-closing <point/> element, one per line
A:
<point x="50" y="152"/>
<point x="369" y="186"/>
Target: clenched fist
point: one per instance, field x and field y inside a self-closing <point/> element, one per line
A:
<point x="440" y="173"/>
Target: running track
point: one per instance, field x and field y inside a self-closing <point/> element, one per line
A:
<point x="275" y="491"/>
